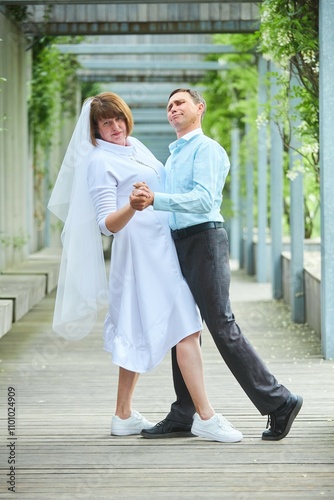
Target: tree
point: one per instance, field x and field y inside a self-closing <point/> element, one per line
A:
<point x="231" y="97"/>
<point x="289" y="37"/>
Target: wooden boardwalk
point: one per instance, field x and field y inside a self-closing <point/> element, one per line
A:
<point x="65" y="396"/>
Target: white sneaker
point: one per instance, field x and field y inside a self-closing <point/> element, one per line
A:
<point x="217" y="428"/>
<point x="129" y="426"/>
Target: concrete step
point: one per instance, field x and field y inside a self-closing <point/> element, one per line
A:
<point x="6" y="316"/>
<point x="24" y="290"/>
<point x="24" y="285"/>
<point x="37" y="267"/>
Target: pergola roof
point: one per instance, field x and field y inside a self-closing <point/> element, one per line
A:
<point x="147" y="46"/>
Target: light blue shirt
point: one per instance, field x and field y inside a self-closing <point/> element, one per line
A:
<point x="195" y="176"/>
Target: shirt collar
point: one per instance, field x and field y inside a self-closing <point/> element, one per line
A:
<point x="127" y="150"/>
<point x="184" y="139"/>
<point x="191" y="134"/>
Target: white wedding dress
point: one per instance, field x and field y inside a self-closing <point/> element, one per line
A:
<point x="150" y="305"/>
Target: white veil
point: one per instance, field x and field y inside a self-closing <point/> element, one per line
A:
<point x="82" y="285"/>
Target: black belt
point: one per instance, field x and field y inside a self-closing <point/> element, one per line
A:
<point x="178" y="234"/>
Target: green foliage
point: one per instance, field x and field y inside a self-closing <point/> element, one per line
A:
<point x="89" y="89"/>
<point x="54" y="90"/>
<point x="231" y="94"/>
<point x="17" y="13"/>
<point x="16" y="242"/>
<point x="289" y="37"/>
<point x="53" y="82"/>
<point x="231" y="98"/>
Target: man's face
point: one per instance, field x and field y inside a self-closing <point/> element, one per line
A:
<point x="183" y="114"/>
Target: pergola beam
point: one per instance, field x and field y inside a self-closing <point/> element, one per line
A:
<point x="158" y="65"/>
<point x="115" y="2"/>
<point x="112" y="77"/>
<point x="148" y="102"/>
<point x="150" y="115"/>
<point x="172" y="48"/>
<point x="139" y="28"/>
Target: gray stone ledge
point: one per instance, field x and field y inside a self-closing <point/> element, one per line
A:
<point x="6" y="316"/>
<point x="22" y="286"/>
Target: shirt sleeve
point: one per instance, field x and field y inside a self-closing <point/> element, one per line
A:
<point x="102" y="187"/>
<point x="210" y="167"/>
<point x="195" y="201"/>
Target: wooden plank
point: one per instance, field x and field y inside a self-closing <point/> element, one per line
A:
<point x="65" y="395"/>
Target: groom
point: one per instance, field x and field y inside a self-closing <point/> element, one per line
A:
<point x="195" y="175"/>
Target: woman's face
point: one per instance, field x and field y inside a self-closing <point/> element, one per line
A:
<point x="113" y="130"/>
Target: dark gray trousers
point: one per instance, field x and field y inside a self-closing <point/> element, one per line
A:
<point x="204" y="260"/>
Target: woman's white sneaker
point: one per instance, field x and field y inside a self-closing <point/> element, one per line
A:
<point x="129" y="426"/>
<point x="217" y="428"/>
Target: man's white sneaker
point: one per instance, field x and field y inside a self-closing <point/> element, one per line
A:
<point x="129" y="426"/>
<point x="217" y="428"/>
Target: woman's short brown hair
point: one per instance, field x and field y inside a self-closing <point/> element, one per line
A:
<point x="108" y="105"/>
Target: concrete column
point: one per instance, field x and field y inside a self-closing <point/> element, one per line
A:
<point x="241" y="230"/>
<point x="16" y="214"/>
<point x="261" y="267"/>
<point x="297" y="229"/>
<point x="235" y="196"/>
<point x="326" y="38"/>
<point x="47" y="235"/>
<point x="276" y="195"/>
<point x="249" y="263"/>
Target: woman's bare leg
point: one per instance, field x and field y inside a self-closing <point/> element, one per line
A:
<point x="126" y="385"/>
<point x="189" y="358"/>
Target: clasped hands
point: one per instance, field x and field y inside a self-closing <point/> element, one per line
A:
<point x="141" y="197"/>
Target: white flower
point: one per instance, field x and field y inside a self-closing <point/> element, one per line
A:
<point x="309" y="56"/>
<point x="261" y="120"/>
<point x="291" y="175"/>
<point x="312" y="148"/>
